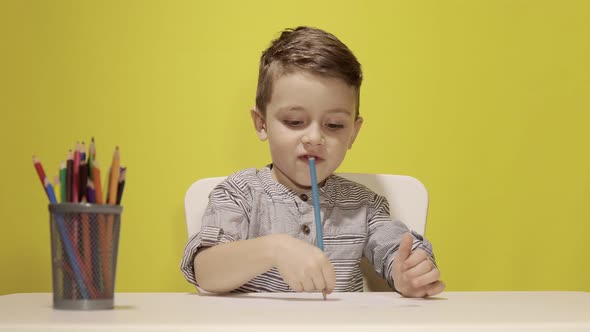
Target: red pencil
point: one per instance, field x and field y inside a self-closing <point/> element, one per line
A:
<point x="40" y="171"/>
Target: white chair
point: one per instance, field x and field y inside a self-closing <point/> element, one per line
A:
<point x="407" y="197"/>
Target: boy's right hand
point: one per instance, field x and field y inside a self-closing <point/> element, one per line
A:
<point x="304" y="267"/>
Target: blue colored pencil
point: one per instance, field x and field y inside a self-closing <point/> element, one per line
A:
<point x="316" y="204"/>
<point x="49" y="191"/>
<point x="61" y="227"/>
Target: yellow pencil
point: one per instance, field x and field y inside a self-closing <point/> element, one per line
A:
<point x="111" y="199"/>
<point x="114" y="178"/>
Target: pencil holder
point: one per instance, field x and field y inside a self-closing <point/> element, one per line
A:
<point x="84" y="244"/>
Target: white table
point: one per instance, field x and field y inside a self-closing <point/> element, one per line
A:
<point x="276" y="312"/>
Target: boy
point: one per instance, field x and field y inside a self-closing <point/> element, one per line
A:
<point x="258" y="231"/>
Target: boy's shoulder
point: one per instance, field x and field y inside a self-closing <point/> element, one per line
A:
<point x="246" y="173"/>
<point x="243" y="180"/>
<point x="342" y="188"/>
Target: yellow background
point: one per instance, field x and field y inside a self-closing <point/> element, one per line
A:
<point x="485" y="101"/>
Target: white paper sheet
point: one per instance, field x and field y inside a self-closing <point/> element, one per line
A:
<point x="269" y="301"/>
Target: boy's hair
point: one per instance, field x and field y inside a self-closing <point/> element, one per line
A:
<point x="307" y="49"/>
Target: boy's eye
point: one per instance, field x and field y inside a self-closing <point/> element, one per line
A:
<point x="293" y="123"/>
<point x="334" y="125"/>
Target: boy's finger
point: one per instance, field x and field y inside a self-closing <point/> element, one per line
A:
<point x="319" y="282"/>
<point x="405" y="249"/>
<point x="296" y="286"/>
<point x="419" y="269"/>
<point x="416" y="257"/>
<point x="425" y="279"/>
<point x="436" y="288"/>
<point x="329" y="279"/>
<point x="308" y="285"/>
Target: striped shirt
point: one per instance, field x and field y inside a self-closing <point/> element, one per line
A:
<point x="356" y="223"/>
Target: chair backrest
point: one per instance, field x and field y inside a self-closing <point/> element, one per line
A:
<point x="407" y="197"/>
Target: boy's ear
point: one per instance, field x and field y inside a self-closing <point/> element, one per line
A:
<point x="259" y="123"/>
<point x="358" y="123"/>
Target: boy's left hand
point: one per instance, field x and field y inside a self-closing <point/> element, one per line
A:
<point x="413" y="273"/>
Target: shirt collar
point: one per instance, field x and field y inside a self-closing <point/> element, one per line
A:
<point x="274" y="188"/>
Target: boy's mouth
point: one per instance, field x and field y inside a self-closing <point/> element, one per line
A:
<point x="307" y="156"/>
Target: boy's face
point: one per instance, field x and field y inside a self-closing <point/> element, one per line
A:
<point x="308" y="115"/>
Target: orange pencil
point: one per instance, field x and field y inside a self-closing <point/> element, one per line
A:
<point x="96" y="180"/>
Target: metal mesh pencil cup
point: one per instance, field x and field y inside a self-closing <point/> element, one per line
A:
<point x="84" y="245"/>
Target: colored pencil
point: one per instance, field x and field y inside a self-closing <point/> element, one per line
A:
<point x="114" y="178"/>
<point x="70" y="176"/>
<point x="316" y="203"/>
<point x="83" y="152"/>
<point x="92" y="149"/>
<point x="94" y="240"/>
<point x="83" y="179"/>
<point x="316" y="208"/>
<point x="86" y="239"/>
<point x="112" y="199"/>
<point x="40" y="171"/>
<point x="49" y="190"/>
<point x="102" y="229"/>
<point x="121" y="185"/>
<point x="76" y="174"/>
<point x="63" y="173"/>
<point x="96" y="181"/>
<point x="90" y="192"/>
<point x="91" y="158"/>
<point x="75" y="225"/>
<point x="57" y="184"/>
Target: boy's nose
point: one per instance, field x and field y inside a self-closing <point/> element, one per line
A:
<point x="313" y="137"/>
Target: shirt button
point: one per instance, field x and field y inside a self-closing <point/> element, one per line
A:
<point x="305" y="229"/>
<point x="304" y="197"/>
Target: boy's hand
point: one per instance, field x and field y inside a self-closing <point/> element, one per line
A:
<point x="414" y="274"/>
<point x="304" y="267"/>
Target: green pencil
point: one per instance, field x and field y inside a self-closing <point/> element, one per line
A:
<point x="63" y="175"/>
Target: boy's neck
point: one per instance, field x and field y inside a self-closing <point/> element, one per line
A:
<point x="291" y="185"/>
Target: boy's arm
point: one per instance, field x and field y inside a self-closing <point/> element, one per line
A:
<point x="414" y="272"/>
<point x="227" y="266"/>
<point x="395" y="250"/>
